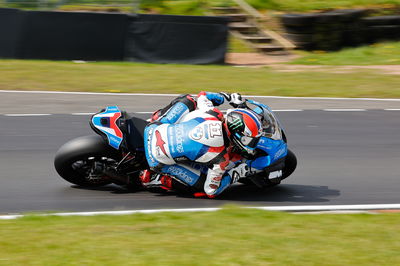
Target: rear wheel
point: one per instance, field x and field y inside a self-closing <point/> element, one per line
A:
<point x="81" y="161"/>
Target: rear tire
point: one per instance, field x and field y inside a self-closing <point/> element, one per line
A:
<point x="73" y="160"/>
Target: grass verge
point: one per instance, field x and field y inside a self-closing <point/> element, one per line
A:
<point x="231" y="236"/>
<point x="375" y="54"/>
<point x="153" y="78"/>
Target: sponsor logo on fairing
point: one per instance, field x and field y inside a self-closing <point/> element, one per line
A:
<point x="275" y="174"/>
<point x="279" y="153"/>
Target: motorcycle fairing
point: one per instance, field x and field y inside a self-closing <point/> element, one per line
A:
<point x="276" y="149"/>
<point x="106" y="123"/>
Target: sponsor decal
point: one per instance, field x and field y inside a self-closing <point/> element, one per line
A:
<point x="175" y="111"/>
<point x="213" y="186"/>
<point x="236" y="123"/>
<point x="215" y="129"/>
<point x="217" y="178"/>
<point x="197" y="133"/>
<point x="160" y="143"/>
<point x="171" y="140"/>
<point x="279" y="153"/>
<point x="206" y="131"/>
<point x="150" y="133"/>
<point x="275" y="174"/>
<point x="180" y="173"/>
<point x="179" y="138"/>
<point x="180" y="159"/>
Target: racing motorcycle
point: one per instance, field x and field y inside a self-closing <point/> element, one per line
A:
<point x="116" y="155"/>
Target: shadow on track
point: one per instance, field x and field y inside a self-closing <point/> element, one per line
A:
<point x="115" y="189"/>
<point x="248" y="193"/>
<point x="281" y="193"/>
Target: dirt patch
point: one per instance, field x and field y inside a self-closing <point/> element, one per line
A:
<point x="256" y="59"/>
<point x="261" y="60"/>
<point x="383" y="69"/>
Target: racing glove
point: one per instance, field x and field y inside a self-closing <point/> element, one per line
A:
<point x="234" y="99"/>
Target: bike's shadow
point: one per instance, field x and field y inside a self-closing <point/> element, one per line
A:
<point x="248" y="193"/>
<point x="281" y="193"/>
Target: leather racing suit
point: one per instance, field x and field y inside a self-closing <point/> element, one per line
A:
<point x="177" y="137"/>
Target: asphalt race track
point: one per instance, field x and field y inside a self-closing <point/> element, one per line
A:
<point x="344" y="156"/>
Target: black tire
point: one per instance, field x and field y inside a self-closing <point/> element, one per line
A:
<point x="80" y="149"/>
<point x="290" y="164"/>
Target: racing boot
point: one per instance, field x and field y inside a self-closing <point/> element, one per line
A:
<point x="150" y="179"/>
<point x="166" y="182"/>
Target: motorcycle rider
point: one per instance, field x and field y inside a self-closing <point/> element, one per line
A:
<point x="174" y="138"/>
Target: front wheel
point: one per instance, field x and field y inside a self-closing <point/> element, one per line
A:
<point x="261" y="179"/>
<point x="290" y="164"/>
<point x="80" y="161"/>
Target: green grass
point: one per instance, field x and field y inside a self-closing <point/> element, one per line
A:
<point x="177" y="6"/>
<point x="309" y="5"/>
<point x="236" y="45"/>
<point x="200" y="7"/>
<point x="376" y="54"/>
<point x="153" y="78"/>
<point x="232" y="236"/>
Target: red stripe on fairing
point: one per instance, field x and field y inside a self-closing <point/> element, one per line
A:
<point x="113" y="124"/>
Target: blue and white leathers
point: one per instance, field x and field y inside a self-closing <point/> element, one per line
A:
<point x="183" y="134"/>
<point x="178" y="137"/>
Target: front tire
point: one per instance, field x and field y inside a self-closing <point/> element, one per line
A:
<point x="290" y="164"/>
<point x="75" y="160"/>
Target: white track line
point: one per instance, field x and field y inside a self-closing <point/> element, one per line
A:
<point x="312" y="208"/>
<point x="344" y="110"/>
<point x="173" y="94"/>
<point x="391" y="109"/>
<point x="26" y="114"/>
<point x="82" y="113"/>
<point x="288" y="110"/>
